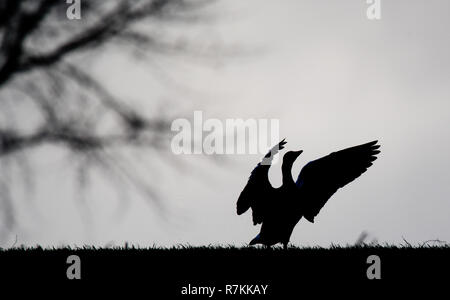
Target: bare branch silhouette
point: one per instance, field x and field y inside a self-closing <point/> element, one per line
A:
<point x="40" y="66"/>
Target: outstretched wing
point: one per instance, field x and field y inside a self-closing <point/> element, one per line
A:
<point x="321" y="178"/>
<point x="258" y="190"/>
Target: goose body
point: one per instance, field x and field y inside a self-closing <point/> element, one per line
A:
<point x="280" y="209"/>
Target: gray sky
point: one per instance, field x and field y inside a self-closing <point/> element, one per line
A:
<point x="333" y="78"/>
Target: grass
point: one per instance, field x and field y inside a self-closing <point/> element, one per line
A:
<point x="186" y="247"/>
<point x="171" y="268"/>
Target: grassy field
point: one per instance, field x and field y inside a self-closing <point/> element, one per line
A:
<point x="173" y="268"/>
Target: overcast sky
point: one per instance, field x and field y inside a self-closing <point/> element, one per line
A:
<point x="333" y="78"/>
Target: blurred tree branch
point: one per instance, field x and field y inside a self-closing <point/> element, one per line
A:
<point x="37" y="47"/>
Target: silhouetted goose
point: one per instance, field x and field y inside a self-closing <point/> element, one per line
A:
<point x="280" y="209"/>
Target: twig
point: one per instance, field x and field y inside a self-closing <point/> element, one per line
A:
<point x="406" y="242"/>
<point x="436" y="241"/>
<point x="14" y="242"/>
